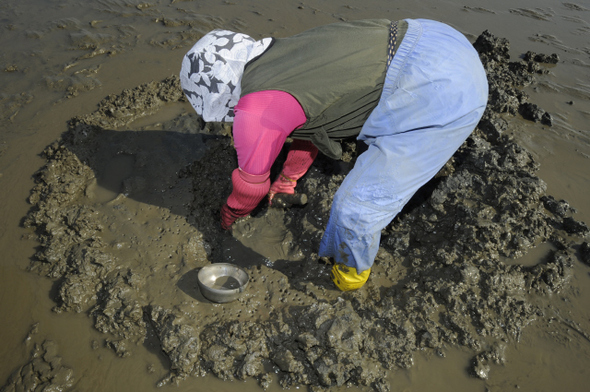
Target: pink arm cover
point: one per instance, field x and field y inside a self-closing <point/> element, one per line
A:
<point x="300" y="157"/>
<point x="263" y="121"/>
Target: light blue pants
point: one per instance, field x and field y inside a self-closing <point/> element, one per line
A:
<point x="434" y="95"/>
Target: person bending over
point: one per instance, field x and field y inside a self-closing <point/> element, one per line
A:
<point x="413" y="90"/>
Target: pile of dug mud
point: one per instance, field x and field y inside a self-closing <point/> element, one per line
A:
<point x="444" y="275"/>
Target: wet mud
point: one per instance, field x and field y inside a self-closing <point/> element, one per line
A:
<point x="125" y="215"/>
<point x="44" y="371"/>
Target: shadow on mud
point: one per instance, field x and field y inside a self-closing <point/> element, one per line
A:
<point x="153" y="167"/>
<point x="188" y="283"/>
<point x="141" y="165"/>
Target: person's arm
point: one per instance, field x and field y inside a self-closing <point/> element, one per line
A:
<point x="248" y="190"/>
<point x="300" y="157"/>
<point x="262" y="122"/>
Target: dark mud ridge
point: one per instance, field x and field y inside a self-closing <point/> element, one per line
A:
<point x="447" y="272"/>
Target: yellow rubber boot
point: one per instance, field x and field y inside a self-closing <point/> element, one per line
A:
<point x="346" y="278"/>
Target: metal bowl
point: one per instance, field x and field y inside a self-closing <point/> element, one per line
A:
<point x="222" y="282"/>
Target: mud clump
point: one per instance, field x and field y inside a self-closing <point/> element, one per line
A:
<point x="44" y="372"/>
<point x="126" y="216"/>
<point x="507" y="77"/>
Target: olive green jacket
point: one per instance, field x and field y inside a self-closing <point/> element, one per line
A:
<point x="336" y="72"/>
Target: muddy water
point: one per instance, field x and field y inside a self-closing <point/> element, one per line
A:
<point x="62" y="57"/>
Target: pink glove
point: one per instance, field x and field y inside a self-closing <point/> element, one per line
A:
<point x="299" y="159"/>
<point x="248" y="190"/>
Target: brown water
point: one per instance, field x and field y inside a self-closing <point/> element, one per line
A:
<point x="60" y="58"/>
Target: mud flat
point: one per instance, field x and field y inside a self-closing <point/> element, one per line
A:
<point x="126" y="214"/>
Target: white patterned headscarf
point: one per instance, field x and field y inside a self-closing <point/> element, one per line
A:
<point x="212" y="71"/>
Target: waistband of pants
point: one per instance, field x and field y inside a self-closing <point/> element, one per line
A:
<point x="397" y="31"/>
<point x="405" y="45"/>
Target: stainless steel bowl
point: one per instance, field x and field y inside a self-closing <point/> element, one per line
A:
<point x="222" y="282"/>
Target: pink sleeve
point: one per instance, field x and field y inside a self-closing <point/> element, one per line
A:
<point x="263" y="121"/>
<point x="300" y="157"/>
<point x="247" y="192"/>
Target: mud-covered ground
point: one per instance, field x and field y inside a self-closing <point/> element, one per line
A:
<point x="126" y="212"/>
